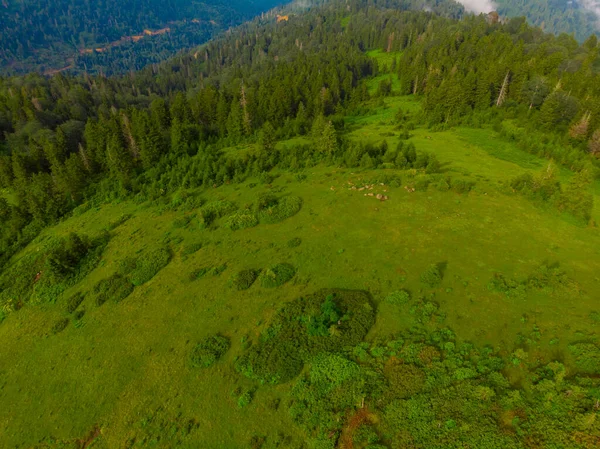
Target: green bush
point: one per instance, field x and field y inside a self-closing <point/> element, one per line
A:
<point x="148" y="265"/>
<point x="272" y="210"/>
<point x="63" y="260"/>
<point x="245" y="399"/>
<point x="461" y="185"/>
<point x="60" y="325"/>
<point x="217" y="270"/>
<point x="244" y="279"/>
<point x="422" y="183"/>
<point x="442" y="185"/>
<point x="398" y="297"/>
<point x="241" y="220"/>
<point x="208" y="351"/>
<point x="182" y="222"/>
<point x="287" y="343"/>
<point x="322" y="323"/>
<point x="214" y="210"/>
<point x="191" y="249"/>
<point x="117" y="287"/>
<point x="294" y="243"/>
<point x="277" y="275"/>
<point x="73" y="302"/>
<point x="432" y="276"/>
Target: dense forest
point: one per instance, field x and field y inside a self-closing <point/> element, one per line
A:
<point x="213" y="118"/>
<point x="109" y="36"/>
<point x="579" y="18"/>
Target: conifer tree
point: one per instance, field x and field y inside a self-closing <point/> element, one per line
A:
<point x="266" y="138"/>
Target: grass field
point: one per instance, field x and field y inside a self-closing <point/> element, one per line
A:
<point x="120" y="376"/>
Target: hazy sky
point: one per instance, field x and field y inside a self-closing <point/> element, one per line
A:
<point x="591" y="5"/>
<point x="479" y="6"/>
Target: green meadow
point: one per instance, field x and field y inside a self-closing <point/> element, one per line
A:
<point x="117" y="374"/>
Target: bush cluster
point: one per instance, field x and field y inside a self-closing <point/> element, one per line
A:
<point x="290" y="340"/>
<point x="277" y="275"/>
<point x="244" y="279"/>
<point x="116" y="287"/>
<point x="208" y="351"/>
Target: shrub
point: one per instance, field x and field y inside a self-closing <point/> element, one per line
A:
<point x="214" y="210"/>
<point x="73" y="302"/>
<point x="294" y="243"/>
<point x="182" y="222"/>
<point x="398" y="297"/>
<point x="208" y="351"/>
<point x="277" y="275"/>
<point x="216" y="271"/>
<point x="244" y="279"/>
<point x="432" y="276"/>
<point x="148" y="265"/>
<point x="286" y="345"/>
<point x="421" y="183"/>
<point x="405" y="380"/>
<point x="117" y="287"/>
<point x="191" y="249"/>
<point x="442" y="185"/>
<point x="461" y="185"/>
<point x="241" y="220"/>
<point x="64" y="259"/>
<point x="245" y="399"/>
<point x="330" y="315"/>
<point x="273" y="211"/>
<point x="60" y="325"/>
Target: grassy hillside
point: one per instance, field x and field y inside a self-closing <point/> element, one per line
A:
<point x="474" y="258"/>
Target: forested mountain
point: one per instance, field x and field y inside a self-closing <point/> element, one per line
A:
<point x="581" y="18"/>
<point x="360" y="225"/>
<point x="109" y="36"/>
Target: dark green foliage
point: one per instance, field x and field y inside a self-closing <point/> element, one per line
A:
<point x="60" y="325"/>
<point x="432" y="276"/>
<point x="191" y="249"/>
<point x="116" y="288"/>
<point x="55" y="30"/>
<point x="73" y="302"/>
<point x="271" y="209"/>
<point x="148" y="265"/>
<point x="586" y="357"/>
<point x="399" y="297"/>
<point x="461" y="185"/>
<point x="214" y="210"/>
<point x="208" y="351"/>
<point x="547" y="277"/>
<point x="244" y="279"/>
<point x="245" y="398"/>
<point x="320" y="325"/>
<point x="294" y="243"/>
<point x="217" y="270"/>
<point x="405" y="380"/>
<point x="281" y="351"/>
<point x="333" y="387"/>
<point x="241" y="220"/>
<point x="576" y="198"/>
<point x="277" y="275"/>
<point x="64" y="259"/>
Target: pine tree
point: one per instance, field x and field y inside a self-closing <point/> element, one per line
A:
<point x="234" y="121"/>
<point x="160" y="114"/>
<point x="266" y="138"/>
<point x="577" y="199"/>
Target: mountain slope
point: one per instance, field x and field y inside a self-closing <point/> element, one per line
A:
<point x="368" y="226"/>
<point x="581" y="18"/>
<point x="46" y="35"/>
